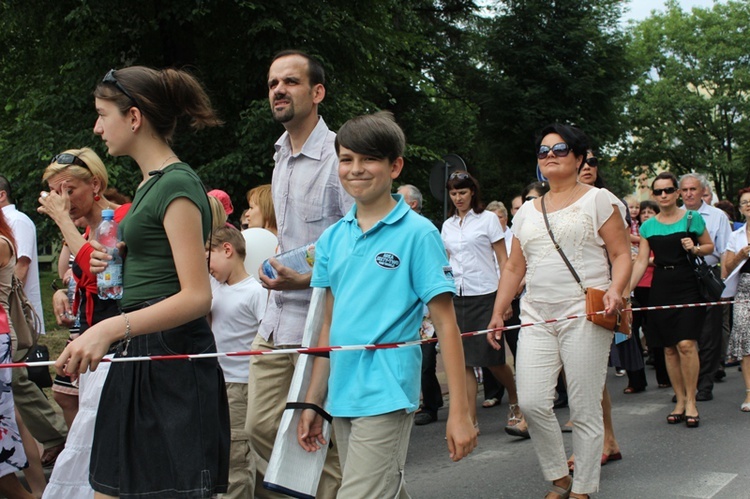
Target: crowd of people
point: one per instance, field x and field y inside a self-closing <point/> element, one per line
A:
<point x="208" y="426"/>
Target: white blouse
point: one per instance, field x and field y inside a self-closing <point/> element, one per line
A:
<point x="576" y="229"/>
<point x="472" y="258"/>
<point x="737" y="241"/>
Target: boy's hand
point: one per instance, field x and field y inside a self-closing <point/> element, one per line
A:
<point x="461" y="436"/>
<point x="310" y="431"/>
<point x="286" y="278"/>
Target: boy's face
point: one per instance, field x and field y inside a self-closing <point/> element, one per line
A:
<point x="220" y="266"/>
<point x="647" y="213"/>
<point x="365" y="178"/>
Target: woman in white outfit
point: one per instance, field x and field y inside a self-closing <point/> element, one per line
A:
<point x="588" y="224"/>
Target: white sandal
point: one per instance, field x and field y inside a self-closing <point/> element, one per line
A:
<point x="745" y="407"/>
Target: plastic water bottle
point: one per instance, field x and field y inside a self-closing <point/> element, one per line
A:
<point x="299" y="259"/>
<point x="71" y="298"/>
<point x="109" y="281"/>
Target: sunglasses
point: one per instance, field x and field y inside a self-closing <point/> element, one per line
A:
<point x="459" y="175"/>
<point x="69" y="159"/>
<point x="112" y="80"/>
<point x="593" y="162"/>
<point x="560" y="150"/>
<point x="530" y="198"/>
<point x="668" y="190"/>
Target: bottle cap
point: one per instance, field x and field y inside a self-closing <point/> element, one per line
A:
<point x="108" y="214"/>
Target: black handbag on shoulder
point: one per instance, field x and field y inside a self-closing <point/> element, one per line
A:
<point x="40" y="374"/>
<point x="710" y="284"/>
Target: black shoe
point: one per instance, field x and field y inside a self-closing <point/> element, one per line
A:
<point x="704" y="396"/>
<point x="562" y="401"/>
<point x="720" y="375"/>
<point x="425" y="417"/>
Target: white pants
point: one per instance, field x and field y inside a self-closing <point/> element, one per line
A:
<point x="582" y="348"/>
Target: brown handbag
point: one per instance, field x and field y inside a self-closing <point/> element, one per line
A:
<point x="619" y="322"/>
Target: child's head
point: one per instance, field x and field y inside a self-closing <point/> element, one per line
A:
<point x="648" y="209"/>
<point x="227" y="248"/>
<point x="370" y="150"/>
<point x="261" y="213"/>
<point x="634" y="207"/>
<point x="377" y="135"/>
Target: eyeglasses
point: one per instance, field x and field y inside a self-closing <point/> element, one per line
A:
<point x="668" y="190"/>
<point x="458" y="175"/>
<point x="560" y="150"/>
<point x="69" y="159"/>
<point x="530" y="198"/>
<point x="744" y="203"/>
<point x="593" y="162"/>
<point x="111" y="79"/>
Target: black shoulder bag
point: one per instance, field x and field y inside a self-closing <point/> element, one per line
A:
<point x="710" y="284"/>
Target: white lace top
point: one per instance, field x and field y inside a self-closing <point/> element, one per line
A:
<point x="576" y="229"/>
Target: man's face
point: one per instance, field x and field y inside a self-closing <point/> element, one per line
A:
<point x="708" y="196"/>
<point x="290" y="94"/>
<point x="515" y="205"/>
<point x="691" y="193"/>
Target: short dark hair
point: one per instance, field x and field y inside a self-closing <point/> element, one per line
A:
<point x="727" y="207"/>
<point x="572" y="135"/>
<point x="650" y="204"/>
<point x="5" y="186"/>
<point x="463" y="180"/>
<point x="377" y="135"/>
<point x="540" y="187"/>
<point x="742" y="191"/>
<point x="315" y="72"/>
<point x="666" y="176"/>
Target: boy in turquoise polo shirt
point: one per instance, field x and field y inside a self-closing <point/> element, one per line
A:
<point x="379" y="264"/>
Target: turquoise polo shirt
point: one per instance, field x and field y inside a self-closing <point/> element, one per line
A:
<point x="380" y="280"/>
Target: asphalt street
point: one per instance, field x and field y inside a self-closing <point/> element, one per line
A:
<point x="659" y="460"/>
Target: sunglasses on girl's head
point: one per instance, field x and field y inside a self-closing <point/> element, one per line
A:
<point x="592" y="162"/>
<point x="561" y="150"/>
<point x="69" y="159"/>
<point x="110" y="78"/>
<point x="668" y="190"/>
<point x="459" y="175"/>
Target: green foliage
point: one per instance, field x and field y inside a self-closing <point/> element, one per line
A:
<point x="690" y="108"/>
<point x="547" y="62"/>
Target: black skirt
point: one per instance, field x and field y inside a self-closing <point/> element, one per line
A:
<point x="162" y="429"/>
<point x="473" y="313"/>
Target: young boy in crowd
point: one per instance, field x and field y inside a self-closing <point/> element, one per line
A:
<point x="379" y="264"/>
<point x="236" y="311"/>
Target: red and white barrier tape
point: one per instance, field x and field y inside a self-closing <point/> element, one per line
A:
<point x="381" y="346"/>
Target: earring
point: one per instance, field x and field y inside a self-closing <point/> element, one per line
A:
<point x="97" y="197"/>
<point x="133" y="128"/>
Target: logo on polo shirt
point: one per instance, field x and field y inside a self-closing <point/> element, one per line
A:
<point x="448" y="272"/>
<point x="387" y="260"/>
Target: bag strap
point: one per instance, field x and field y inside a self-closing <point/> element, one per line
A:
<point x="558" y="248"/>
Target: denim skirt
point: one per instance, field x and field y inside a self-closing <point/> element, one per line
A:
<point x="162" y="429"/>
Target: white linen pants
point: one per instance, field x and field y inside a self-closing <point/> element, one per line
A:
<point x="582" y="348"/>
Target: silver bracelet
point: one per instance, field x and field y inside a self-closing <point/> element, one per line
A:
<point x="128" y="335"/>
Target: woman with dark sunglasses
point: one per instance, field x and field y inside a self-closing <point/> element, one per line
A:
<point x="77" y="179"/>
<point x="588" y="225"/>
<point x="162" y="429"/>
<point x="473" y="238"/>
<point x="673" y="235"/>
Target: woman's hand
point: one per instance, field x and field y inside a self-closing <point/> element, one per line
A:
<point x="85" y="352"/>
<point x="495" y="338"/>
<point x="62" y="308"/>
<point x="55" y="205"/>
<point x="687" y="244"/>
<point x="100" y="258"/>
<point x="613" y="303"/>
<point x="310" y="431"/>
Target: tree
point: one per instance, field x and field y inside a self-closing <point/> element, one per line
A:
<point x="545" y="62"/>
<point x="690" y="108"/>
<point x="378" y="55"/>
